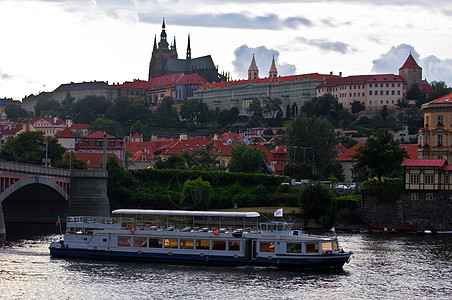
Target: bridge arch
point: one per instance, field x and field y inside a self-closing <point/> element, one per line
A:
<point x="33" y="180"/>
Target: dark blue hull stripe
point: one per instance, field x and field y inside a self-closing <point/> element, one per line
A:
<point x="320" y="261"/>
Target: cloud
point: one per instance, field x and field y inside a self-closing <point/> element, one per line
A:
<point x="328" y="46"/>
<point x="5" y="76"/>
<point x="433" y="68"/>
<point x="230" y="20"/>
<point x="263" y="56"/>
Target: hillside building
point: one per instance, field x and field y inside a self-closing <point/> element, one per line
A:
<point x="375" y="91"/>
<point x="435" y="138"/>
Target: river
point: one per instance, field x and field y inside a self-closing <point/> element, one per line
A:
<point x="387" y="266"/>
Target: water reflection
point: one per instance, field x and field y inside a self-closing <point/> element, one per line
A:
<point x="383" y="267"/>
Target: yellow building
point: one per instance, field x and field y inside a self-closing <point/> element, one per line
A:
<point x="435" y="138"/>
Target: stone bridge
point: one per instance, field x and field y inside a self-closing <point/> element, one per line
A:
<point x="35" y="194"/>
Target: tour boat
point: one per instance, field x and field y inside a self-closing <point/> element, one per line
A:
<point x="197" y="237"/>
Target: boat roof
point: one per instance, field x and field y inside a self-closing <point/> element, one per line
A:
<point x="185" y="213"/>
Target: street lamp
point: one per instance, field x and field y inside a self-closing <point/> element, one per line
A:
<point x="304" y="153"/>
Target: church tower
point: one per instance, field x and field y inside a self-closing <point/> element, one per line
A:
<point x="253" y="71"/>
<point x="411" y="73"/>
<point x="273" y="71"/>
<point x="160" y="54"/>
<point x="188" y="49"/>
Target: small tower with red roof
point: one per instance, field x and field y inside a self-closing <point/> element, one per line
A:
<point x="273" y="71"/>
<point x="411" y="73"/>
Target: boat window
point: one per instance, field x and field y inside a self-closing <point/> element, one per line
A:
<point x="155" y="243"/>
<point x="202" y="244"/>
<point x="170" y="243"/>
<point x="267" y="247"/>
<point x="312" y="248"/>
<point x="124" y="241"/>
<point x="186" y="244"/>
<point x="139" y="242"/>
<point x="336" y="246"/>
<point x="293" y="248"/>
<point x="327" y="247"/>
<point x="234" y="246"/>
<point x="218" y="245"/>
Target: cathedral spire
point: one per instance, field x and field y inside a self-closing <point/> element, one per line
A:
<point x="273" y="71"/>
<point x="155" y="43"/>
<point x="253" y="70"/>
<point x="188" y="48"/>
<point x="163" y="44"/>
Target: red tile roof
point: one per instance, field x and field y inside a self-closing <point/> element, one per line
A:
<point x="426" y="88"/>
<point x="80" y="126"/>
<point x="192" y="79"/>
<point x="347" y="154"/>
<point x="66" y="133"/>
<point x="446" y="99"/>
<point x="164" y="81"/>
<point x="407" y="162"/>
<point x="98" y="135"/>
<point x="410" y="63"/>
<point x="411" y="149"/>
<point x="273" y="80"/>
<point x="136" y="84"/>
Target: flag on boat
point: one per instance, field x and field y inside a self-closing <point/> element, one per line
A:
<point x="58" y="222"/>
<point x="278" y="213"/>
<point x="333" y="229"/>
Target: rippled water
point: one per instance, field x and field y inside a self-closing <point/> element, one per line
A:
<point x="383" y="267"/>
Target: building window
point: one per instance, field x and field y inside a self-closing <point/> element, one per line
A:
<point x="414" y="196"/>
<point x="381" y="92"/>
<point x="86" y="143"/>
<point x="428" y="179"/>
<point x="446" y="179"/>
<point x="440" y="139"/>
<point x="414" y="178"/>
<point x="429" y="196"/>
<point x="370" y="93"/>
<point x="387" y="92"/>
<point x="440" y="120"/>
<point x="392" y="92"/>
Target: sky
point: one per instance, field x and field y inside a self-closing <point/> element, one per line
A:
<point x="46" y="43"/>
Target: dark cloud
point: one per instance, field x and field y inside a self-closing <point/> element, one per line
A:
<point x="328" y="46"/>
<point x="229" y="20"/>
<point x="263" y="56"/>
<point x="433" y="68"/>
<point x="5" y="76"/>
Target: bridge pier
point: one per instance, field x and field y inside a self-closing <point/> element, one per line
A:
<point x="2" y="224"/>
<point x="88" y="193"/>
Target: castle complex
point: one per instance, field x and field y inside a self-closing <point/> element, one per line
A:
<point x="165" y="61"/>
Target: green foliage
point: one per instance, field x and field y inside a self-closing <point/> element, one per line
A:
<point x="440" y="89"/>
<point x="386" y="190"/>
<point x="316" y="200"/>
<point x="357" y="106"/>
<point x="88" y="109"/>
<point x="70" y="161"/>
<point x="301" y="171"/>
<point x="416" y="93"/>
<point x="315" y="141"/>
<point x="380" y="156"/>
<point x="333" y="169"/>
<point x="327" y="107"/>
<point x="14" y="111"/>
<point x="176" y="162"/>
<point x="166" y="114"/>
<point x="120" y="183"/>
<point x="204" y="159"/>
<point x="109" y="126"/>
<point x="30" y="147"/>
<point x="246" y="159"/>
<point x="194" y="111"/>
<point x="196" y="194"/>
<point x="47" y="107"/>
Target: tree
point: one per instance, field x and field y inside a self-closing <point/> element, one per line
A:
<point x="176" y="162"/>
<point x="66" y="106"/>
<point x="166" y="115"/>
<point x="333" y="169"/>
<point x="384" y="112"/>
<point x="327" y="107"/>
<point x="196" y="194"/>
<point x="315" y="200"/>
<point x="117" y="111"/>
<point x="380" y="156"/>
<point x="257" y="113"/>
<point x="194" y="111"/>
<point x="110" y="126"/>
<point x="314" y="140"/>
<point x="272" y="106"/>
<point x="47" y="107"/>
<point x="30" y="147"/>
<point x="14" y="111"/>
<point x="246" y="159"/>
<point x="70" y="161"/>
<point x="357" y="106"/>
<point x="439" y="89"/>
<point x="88" y="109"/>
<point x="416" y="93"/>
<point x="203" y="159"/>
<point x="288" y="112"/>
